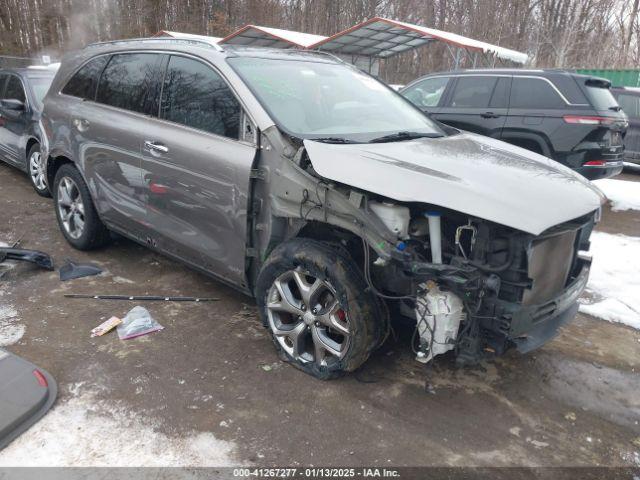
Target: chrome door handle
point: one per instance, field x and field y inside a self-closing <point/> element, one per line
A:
<point x="155" y="146"/>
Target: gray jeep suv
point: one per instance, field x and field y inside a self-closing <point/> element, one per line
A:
<point x="570" y="118"/>
<point x="333" y="200"/>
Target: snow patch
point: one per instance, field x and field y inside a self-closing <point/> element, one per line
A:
<point x="10" y="330"/>
<point x="123" y="280"/>
<point x="84" y="431"/>
<point x="298" y="38"/>
<point x="614" y="281"/>
<point x="622" y="194"/>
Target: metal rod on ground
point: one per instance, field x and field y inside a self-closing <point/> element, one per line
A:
<point x="142" y="298"/>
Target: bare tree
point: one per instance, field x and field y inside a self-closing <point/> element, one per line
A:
<point x="555" y="33"/>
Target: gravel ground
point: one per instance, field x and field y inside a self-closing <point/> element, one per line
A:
<point x="210" y="390"/>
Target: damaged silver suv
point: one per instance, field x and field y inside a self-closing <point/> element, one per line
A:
<point x="314" y="187"/>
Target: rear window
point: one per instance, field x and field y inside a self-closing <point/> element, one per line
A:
<point x="128" y="80"/>
<point x="600" y="95"/>
<point x="83" y="83"/>
<point x="534" y="93"/>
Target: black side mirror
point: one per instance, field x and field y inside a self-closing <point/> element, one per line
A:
<point x="12" y="104"/>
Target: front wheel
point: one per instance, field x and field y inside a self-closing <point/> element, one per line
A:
<point x="36" y="170"/>
<point x="314" y="301"/>
<point x="77" y="217"/>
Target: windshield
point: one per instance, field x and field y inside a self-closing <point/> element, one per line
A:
<point x="40" y="86"/>
<point x="330" y="100"/>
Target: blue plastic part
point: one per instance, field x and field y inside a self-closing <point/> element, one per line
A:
<point x="401" y="246"/>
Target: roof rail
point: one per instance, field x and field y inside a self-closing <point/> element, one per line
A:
<point x="159" y="39"/>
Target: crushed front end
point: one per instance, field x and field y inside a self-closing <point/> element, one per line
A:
<point x="500" y="266"/>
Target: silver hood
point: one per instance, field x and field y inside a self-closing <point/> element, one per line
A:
<point x="469" y="173"/>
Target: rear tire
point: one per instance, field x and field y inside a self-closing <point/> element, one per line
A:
<point x="76" y="214"/>
<point x="36" y="171"/>
<point x="314" y="301"/>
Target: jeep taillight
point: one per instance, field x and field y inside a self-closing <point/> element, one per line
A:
<point x="588" y="120"/>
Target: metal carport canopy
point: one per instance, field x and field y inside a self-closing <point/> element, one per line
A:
<point x="383" y="38"/>
<point x="256" y="35"/>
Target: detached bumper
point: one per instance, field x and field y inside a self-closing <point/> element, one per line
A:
<point x="533" y="325"/>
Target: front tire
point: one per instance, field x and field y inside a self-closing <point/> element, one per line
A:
<point x="314" y="301"/>
<point x="77" y="217"/>
<point x="36" y="171"/>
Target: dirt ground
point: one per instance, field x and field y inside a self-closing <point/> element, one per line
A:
<point x="213" y="369"/>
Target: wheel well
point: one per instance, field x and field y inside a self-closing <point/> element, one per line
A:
<point x="331" y="234"/>
<point x="527" y="143"/>
<point x="52" y="167"/>
<point x="30" y="143"/>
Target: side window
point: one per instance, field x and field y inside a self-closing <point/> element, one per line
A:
<point x="196" y="96"/>
<point x="14" y="90"/>
<point x="500" y="97"/>
<point x="83" y="83"/>
<point x="128" y="80"/>
<point x="428" y="92"/>
<point x="3" y="79"/>
<point x="473" y="92"/>
<point x="630" y="104"/>
<point x="534" y="93"/>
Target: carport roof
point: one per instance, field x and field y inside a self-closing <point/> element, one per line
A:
<point x="375" y="38"/>
<point x="381" y="38"/>
<point x="256" y="35"/>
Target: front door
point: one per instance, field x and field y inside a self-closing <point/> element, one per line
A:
<point x="14" y="122"/>
<point x="196" y="170"/>
<point x="477" y="104"/>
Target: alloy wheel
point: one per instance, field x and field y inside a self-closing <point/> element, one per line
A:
<point x="71" y="207"/>
<point x="36" y="170"/>
<point x="307" y="319"/>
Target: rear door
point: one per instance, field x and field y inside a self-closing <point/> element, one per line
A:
<point x="108" y="127"/>
<point x="477" y="103"/>
<point x="3" y="149"/>
<point x="630" y="105"/>
<point x="14" y="122"/>
<point x="536" y="118"/>
<point x="196" y="170"/>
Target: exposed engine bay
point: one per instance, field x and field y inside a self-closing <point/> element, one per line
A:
<point x="480" y="287"/>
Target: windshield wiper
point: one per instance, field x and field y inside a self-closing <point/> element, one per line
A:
<point x="396" y="137"/>
<point x="333" y="140"/>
